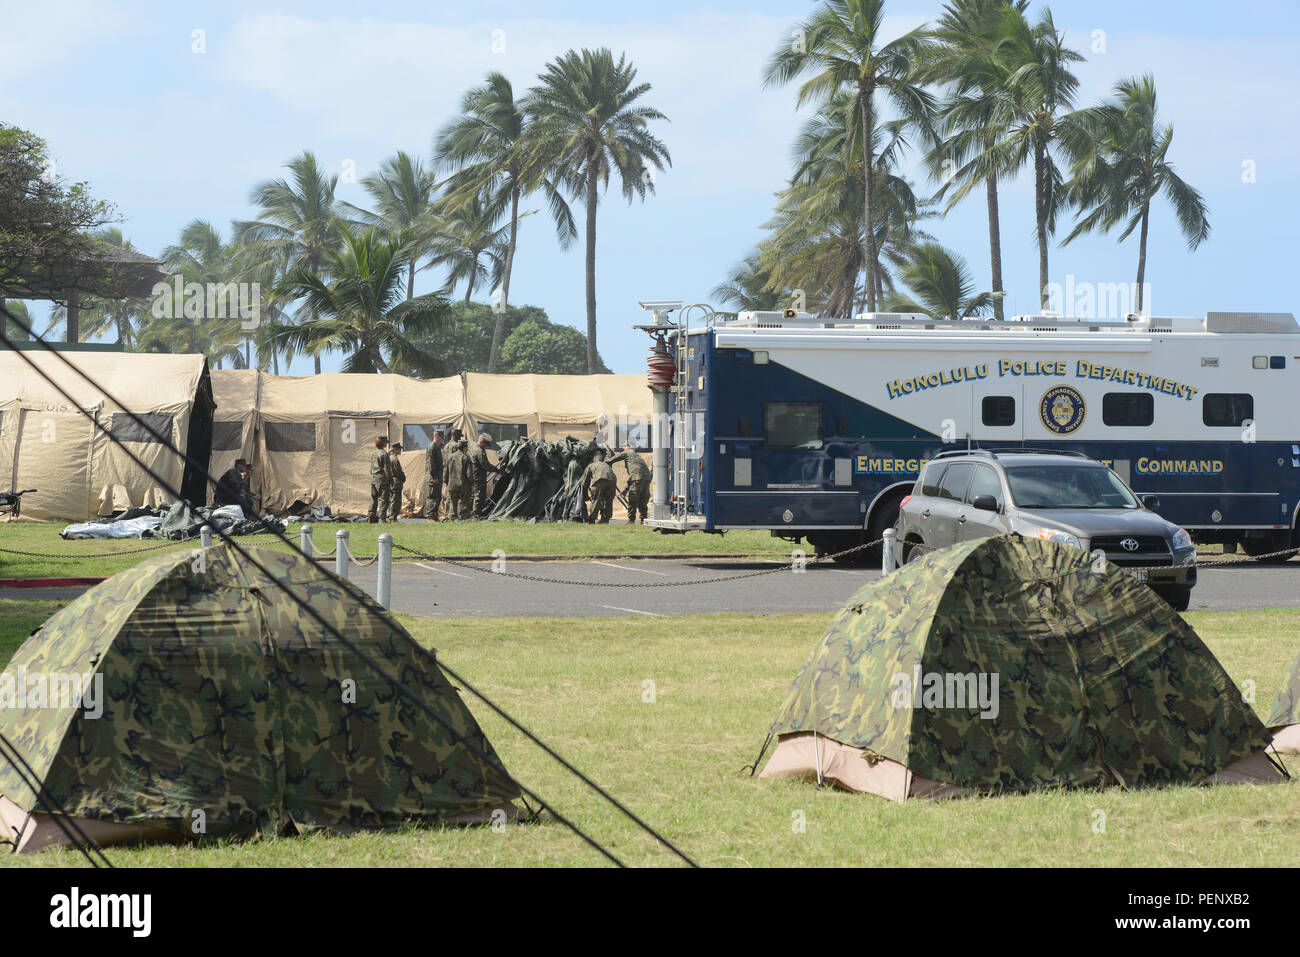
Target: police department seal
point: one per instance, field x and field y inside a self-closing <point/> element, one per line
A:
<point x="1062" y="409"/>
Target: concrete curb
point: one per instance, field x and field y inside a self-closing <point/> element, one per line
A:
<point x="47" y="582"/>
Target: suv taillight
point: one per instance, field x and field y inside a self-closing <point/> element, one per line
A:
<point x="906" y="499"/>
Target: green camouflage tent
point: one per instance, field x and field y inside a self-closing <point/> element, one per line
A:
<point x="1284" y="719"/>
<point x="1008" y="664"/>
<point x="189" y="697"/>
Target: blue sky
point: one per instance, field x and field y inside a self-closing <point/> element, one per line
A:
<point x="170" y="135"/>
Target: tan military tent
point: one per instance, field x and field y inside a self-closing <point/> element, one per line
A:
<point x="234" y="423"/>
<point x="311" y="436"/>
<point x="553" y="406"/>
<point x="48" y="443"/>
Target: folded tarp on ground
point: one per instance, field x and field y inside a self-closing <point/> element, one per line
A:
<point x="178" y="522"/>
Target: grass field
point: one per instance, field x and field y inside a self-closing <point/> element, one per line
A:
<point x="717" y="682"/>
<point x="104" y="557"/>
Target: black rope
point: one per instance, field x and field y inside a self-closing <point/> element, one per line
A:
<point x="27" y="774"/>
<point x="320" y="619"/>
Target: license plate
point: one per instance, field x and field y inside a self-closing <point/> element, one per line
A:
<point x="1140" y="574"/>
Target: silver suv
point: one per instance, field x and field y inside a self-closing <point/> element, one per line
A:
<point x="1063" y="496"/>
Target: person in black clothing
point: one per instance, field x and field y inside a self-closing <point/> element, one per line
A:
<point x="234" y="488"/>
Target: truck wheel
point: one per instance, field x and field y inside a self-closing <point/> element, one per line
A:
<point x="1179" y="599"/>
<point x="885" y="516"/>
<point x="1256" y="548"/>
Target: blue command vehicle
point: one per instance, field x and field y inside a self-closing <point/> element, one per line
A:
<point x="816" y="429"/>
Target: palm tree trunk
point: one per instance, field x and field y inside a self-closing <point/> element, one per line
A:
<point x="473" y="272"/>
<point x="591" y="268"/>
<point x="995" y="242"/>
<point x="864" y="98"/>
<point x="498" y="327"/>
<point x="1142" y="258"/>
<point x="410" y="279"/>
<point x="248" y="353"/>
<point x="1040" y="210"/>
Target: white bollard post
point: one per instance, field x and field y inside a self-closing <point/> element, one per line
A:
<point x="205" y="536"/>
<point x="384" y="586"/>
<point x="888" y="555"/>
<point x="341" y="553"/>
<point x="304" y="540"/>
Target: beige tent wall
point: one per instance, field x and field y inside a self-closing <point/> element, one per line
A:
<point x="339" y="415"/>
<point x="236" y="392"/>
<point x="315" y="435"/>
<point x="48" y="443"/>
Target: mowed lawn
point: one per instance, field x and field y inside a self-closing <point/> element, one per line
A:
<point x="56" y="557"/>
<point x="665" y="712"/>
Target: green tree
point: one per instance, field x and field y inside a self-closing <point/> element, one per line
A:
<point x="1129" y="167"/>
<point x="548" y="349"/>
<point x="362" y="310"/>
<point x="841" y="46"/>
<point x="488" y="147"/>
<point x="403" y="192"/>
<point x="470" y="244"/>
<point x="1034" y="117"/>
<point x="748" y="287"/>
<point x="586" y="126"/>
<point x="964" y="57"/>
<point x="940" y="284"/>
<point x="297" y="224"/>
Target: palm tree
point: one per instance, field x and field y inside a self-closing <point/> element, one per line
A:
<point x="467" y="236"/>
<point x="817" y="242"/>
<point x="361" y="309"/>
<point x="964" y="57"/>
<point x="586" y="126"/>
<point x="941" y="285"/>
<point x="201" y="256"/>
<point x="1030" y="115"/>
<point x="297" y="222"/>
<point x="403" y="193"/>
<point x="488" y="147"/>
<point x="1129" y="167"/>
<point x="748" y="287"/>
<point x="842" y="50"/>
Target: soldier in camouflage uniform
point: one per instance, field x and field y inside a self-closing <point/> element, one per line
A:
<point x="599" y="484"/>
<point x="381" y="480"/>
<point x="433" y="477"/>
<point x="478" y="461"/>
<point x="458" y="477"/>
<point x="638" y="482"/>
<point x="398" y="481"/>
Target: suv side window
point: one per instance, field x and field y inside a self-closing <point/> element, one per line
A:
<point x="985" y="482"/>
<point x="930" y="478"/>
<point x="955" y="481"/>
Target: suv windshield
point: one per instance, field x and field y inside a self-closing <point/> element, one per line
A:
<point x="1068" y="486"/>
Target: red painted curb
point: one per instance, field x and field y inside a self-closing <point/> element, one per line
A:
<point x="47" y="582"/>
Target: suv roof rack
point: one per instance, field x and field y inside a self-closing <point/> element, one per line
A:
<point x="994" y="453"/>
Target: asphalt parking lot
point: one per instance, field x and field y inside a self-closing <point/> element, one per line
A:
<point x="643" y="587"/>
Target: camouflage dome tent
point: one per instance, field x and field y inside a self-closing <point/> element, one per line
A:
<point x="1009" y="664"/>
<point x="1284" y="720"/>
<point x="223" y="704"/>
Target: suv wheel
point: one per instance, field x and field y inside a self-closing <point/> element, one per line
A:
<point x="912" y="551"/>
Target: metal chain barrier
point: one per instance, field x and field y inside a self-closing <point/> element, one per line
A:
<point x="72" y="558"/>
<point x="780" y="567"/>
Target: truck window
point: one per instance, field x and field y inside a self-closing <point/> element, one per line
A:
<point x="985" y="482"/>
<point x="998" y="410"/>
<point x="1227" y="408"/>
<point x="792" y="425"/>
<point x="955" y="481"/>
<point x="1128" y="408"/>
